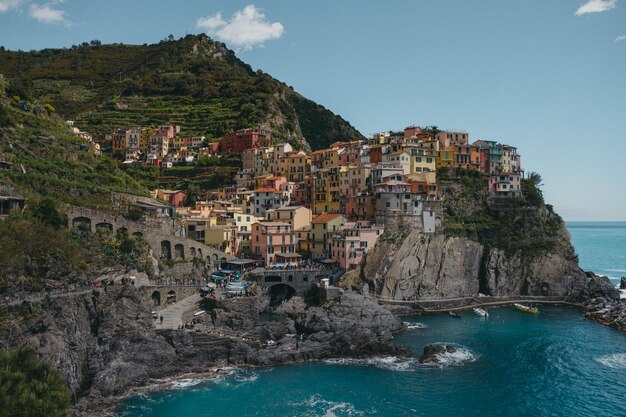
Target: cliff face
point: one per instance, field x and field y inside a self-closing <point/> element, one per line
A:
<point x="439" y="266"/>
<point x="101" y="342"/>
<point x="105" y="342"/>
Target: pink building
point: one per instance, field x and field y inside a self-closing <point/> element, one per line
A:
<point x="270" y="240"/>
<point x="352" y="242"/>
<point x="166" y="132"/>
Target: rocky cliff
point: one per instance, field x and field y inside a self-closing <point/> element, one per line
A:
<point x="105" y="343"/>
<point x="437" y="266"/>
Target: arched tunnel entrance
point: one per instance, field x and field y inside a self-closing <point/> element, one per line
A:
<point x="156" y="298"/>
<point x="279" y="293"/>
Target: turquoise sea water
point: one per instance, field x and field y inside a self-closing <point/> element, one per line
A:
<point x="601" y="247"/>
<point x="555" y="363"/>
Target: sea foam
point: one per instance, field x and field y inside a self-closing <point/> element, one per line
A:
<point x="317" y="406"/>
<point x="461" y="356"/>
<point x="615" y="360"/>
<point x="411" y="326"/>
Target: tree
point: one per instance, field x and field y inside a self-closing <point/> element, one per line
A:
<point x="47" y="212"/>
<point x="30" y="387"/>
<point x="531" y="189"/>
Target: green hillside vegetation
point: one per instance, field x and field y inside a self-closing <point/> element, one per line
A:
<point x="194" y="82"/>
<point x="56" y="163"/>
<point x="525" y="225"/>
<point x="30" y="387"/>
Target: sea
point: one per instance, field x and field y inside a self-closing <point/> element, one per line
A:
<point x="555" y="363"/>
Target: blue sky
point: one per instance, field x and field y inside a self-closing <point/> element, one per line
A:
<point x="546" y="76"/>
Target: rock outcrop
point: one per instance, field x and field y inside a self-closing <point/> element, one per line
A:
<point x="607" y="311"/>
<point x="433" y="354"/>
<point x="105" y="343"/>
<point x="422" y="266"/>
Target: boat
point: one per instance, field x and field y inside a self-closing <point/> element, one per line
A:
<point x="454" y="315"/>
<point x="526" y="309"/>
<point x="481" y="312"/>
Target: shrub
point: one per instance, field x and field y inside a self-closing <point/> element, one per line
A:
<point x="31" y="387"/>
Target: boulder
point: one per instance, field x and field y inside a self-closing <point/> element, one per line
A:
<point x="433" y="353"/>
<point x="622" y="283"/>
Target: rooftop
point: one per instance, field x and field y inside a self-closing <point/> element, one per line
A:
<point x="325" y="218"/>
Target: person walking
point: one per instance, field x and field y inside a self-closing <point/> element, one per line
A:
<point x="161" y="319"/>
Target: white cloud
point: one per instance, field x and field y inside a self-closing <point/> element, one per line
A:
<point x="47" y="13"/>
<point x="246" y="28"/>
<point x="620" y="38"/>
<point x="9" y="4"/>
<point x="596" y="6"/>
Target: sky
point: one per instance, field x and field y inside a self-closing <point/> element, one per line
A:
<point x="546" y="76"/>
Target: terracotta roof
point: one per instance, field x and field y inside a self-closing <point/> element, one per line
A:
<point x="325" y="218"/>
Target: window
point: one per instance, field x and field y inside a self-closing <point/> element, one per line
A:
<point x="388" y="204"/>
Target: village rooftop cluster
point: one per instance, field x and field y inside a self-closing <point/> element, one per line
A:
<point x="287" y="205"/>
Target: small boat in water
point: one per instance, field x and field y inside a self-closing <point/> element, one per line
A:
<point x="454" y="315"/>
<point x="526" y="309"/>
<point x="481" y="312"/>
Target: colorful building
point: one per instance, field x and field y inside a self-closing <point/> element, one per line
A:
<point x="322" y="228"/>
<point x="354" y="239"/>
<point x="270" y="239"/>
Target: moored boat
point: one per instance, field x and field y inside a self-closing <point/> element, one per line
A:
<point x="454" y="315"/>
<point x="481" y="312"/>
<point x="527" y="309"/>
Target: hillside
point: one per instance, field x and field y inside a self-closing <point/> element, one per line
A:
<point x="194" y="82"/>
<point x="42" y="159"/>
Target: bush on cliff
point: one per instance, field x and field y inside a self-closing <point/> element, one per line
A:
<point x="30" y="387"/>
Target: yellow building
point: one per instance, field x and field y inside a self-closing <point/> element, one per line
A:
<point x="295" y="166"/>
<point x="325" y="158"/>
<point x="327" y="190"/>
<point x="423" y="156"/>
<point x="220" y="237"/>
<point x="353" y="180"/>
<point x="446" y="159"/>
<point x="322" y="229"/>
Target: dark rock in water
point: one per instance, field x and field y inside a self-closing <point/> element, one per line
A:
<point x="600" y="287"/>
<point x="622" y="283"/>
<point x="432" y="353"/>
<point x="607" y="311"/>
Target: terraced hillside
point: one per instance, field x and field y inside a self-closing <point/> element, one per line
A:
<point x="194" y="82"/>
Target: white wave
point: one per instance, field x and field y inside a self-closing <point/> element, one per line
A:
<point x="615" y="360"/>
<point x="460" y="356"/>
<point x="244" y="376"/>
<point x="411" y="326"/>
<point x="390" y="363"/>
<point x="616" y="270"/>
<point x="185" y="383"/>
<point x="317" y="406"/>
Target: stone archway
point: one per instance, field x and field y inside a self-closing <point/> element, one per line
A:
<point x="215" y="257"/>
<point x="122" y="231"/>
<point x="137" y="234"/>
<point x="179" y="251"/>
<point x="171" y="297"/>
<point x="199" y="253"/>
<point x="192" y="252"/>
<point x="156" y="298"/>
<point x="166" y="250"/>
<point x="82" y="223"/>
<point x="280" y="293"/>
<point x="104" y="227"/>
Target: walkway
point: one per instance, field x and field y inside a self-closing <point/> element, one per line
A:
<point x="173" y="315"/>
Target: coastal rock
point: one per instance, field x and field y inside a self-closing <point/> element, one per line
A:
<point x="607" y="311"/>
<point x="105" y="343"/>
<point x="436" y="266"/>
<point x="622" y="283"/>
<point x="433" y="353"/>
